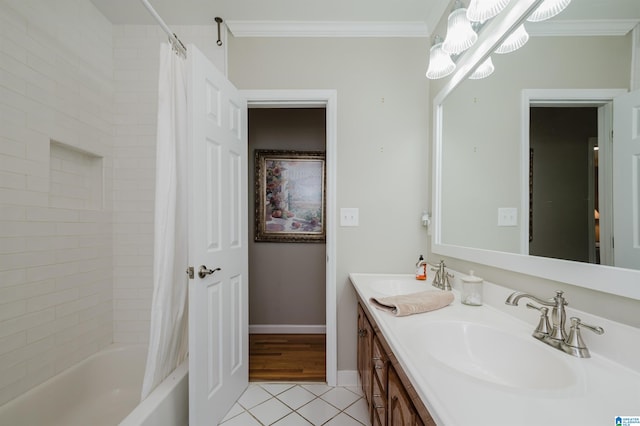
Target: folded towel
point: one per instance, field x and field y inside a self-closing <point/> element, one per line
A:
<point x="414" y="303"/>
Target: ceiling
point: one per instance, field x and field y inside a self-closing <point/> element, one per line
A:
<point x="202" y="12"/>
<point x="425" y="12"/>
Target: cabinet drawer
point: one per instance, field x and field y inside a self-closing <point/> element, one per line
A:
<point x="379" y="360"/>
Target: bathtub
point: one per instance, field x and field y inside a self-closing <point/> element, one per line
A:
<point x="104" y="389"/>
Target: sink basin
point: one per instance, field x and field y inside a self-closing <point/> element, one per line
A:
<point x="394" y="287"/>
<point x="495" y="356"/>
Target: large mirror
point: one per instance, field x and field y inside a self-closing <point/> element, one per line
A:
<point x="524" y="169"/>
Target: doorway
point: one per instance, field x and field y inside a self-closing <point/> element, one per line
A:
<point x="602" y="101"/>
<point x="326" y="98"/>
<point x="563" y="186"/>
<point x="286" y="279"/>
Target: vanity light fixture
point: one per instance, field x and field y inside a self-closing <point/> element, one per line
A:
<point x="440" y="63"/>
<point x="460" y="34"/>
<point x="515" y="41"/>
<point x="484" y="70"/>
<point x="548" y="9"/>
<point x="483" y="10"/>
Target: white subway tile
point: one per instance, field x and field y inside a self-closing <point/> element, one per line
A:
<point x="126" y="337"/>
<point x="12" y="180"/>
<point x="12" y="213"/>
<point x="131" y="326"/>
<point x="12" y="342"/>
<point x="50" y="328"/>
<point x="13" y="374"/>
<point x="12" y="277"/>
<point x="44" y="301"/>
<point x="132" y="304"/>
<point x="26" y="259"/>
<point x="51" y="271"/>
<point x="126" y="314"/>
<point x="26" y="290"/>
<point x="47" y="214"/>
<point x="56" y="82"/>
<point x="27" y="198"/>
<point x="12" y="309"/>
<point x="26" y="351"/>
<point x="25" y="322"/>
<point x="12" y="148"/>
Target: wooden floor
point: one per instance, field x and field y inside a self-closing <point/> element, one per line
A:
<point x="287" y="357"/>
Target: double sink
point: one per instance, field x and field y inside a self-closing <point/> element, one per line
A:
<point x="479" y="365"/>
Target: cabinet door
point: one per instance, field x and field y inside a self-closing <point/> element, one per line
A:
<point x="400" y="409"/>
<point x="378" y="403"/>
<point x="365" y="342"/>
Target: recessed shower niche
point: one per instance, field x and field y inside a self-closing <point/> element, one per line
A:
<point x="75" y="178"/>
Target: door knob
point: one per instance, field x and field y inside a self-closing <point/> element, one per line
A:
<point x="204" y="271"/>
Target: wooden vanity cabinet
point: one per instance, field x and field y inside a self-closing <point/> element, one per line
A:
<point x="391" y="398"/>
<point x="365" y="344"/>
<point x="380" y="364"/>
<point x="400" y="408"/>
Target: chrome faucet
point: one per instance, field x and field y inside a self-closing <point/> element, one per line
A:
<point x="441" y="279"/>
<point x="558" y="314"/>
<point x="554" y="334"/>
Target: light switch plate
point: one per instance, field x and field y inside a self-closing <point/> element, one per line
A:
<point x="349" y="216"/>
<point x="508" y="216"/>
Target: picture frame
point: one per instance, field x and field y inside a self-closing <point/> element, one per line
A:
<point x="290" y="196"/>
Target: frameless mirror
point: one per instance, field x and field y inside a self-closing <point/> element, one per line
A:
<point x="517" y="173"/>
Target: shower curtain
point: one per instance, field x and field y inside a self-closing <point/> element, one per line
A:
<point x="168" y="333"/>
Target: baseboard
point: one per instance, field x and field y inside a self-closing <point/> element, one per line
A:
<point x="348" y="378"/>
<point x="287" y="329"/>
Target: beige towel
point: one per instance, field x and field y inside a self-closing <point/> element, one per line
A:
<point x="414" y="303"/>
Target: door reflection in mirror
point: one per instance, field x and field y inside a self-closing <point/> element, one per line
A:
<point x="563" y="183"/>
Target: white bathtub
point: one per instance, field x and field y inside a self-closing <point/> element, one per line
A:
<point x="103" y="390"/>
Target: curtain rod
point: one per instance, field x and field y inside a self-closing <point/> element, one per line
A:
<point x="175" y="42"/>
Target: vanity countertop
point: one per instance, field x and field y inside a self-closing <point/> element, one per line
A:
<point x="598" y="391"/>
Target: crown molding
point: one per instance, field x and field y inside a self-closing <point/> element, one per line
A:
<point x="594" y="27"/>
<point x="326" y="29"/>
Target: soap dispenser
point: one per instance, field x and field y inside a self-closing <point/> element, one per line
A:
<point x="421" y="269"/>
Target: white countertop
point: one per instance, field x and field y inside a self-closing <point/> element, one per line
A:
<point x="600" y="390"/>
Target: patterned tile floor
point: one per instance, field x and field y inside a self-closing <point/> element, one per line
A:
<point x="301" y="404"/>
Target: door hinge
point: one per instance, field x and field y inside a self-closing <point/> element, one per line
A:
<point x="190" y="272"/>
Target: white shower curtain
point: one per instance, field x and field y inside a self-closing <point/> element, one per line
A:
<point x="168" y="333"/>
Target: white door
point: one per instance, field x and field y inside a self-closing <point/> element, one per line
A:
<point x="626" y="180"/>
<point x="218" y="301"/>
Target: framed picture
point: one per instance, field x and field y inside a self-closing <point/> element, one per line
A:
<point x="290" y="196"/>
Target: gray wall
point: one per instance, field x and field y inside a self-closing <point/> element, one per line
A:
<point x="382" y="136"/>
<point x="286" y="280"/>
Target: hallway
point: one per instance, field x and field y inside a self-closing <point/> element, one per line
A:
<point x="287" y="358"/>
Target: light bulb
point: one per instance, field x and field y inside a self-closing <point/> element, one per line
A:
<point x="548" y="9"/>
<point x="483" y="10"/>
<point x="460" y="35"/>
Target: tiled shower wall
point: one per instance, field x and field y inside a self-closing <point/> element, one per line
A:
<point x="77" y="169"/>
<point x="56" y="125"/>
